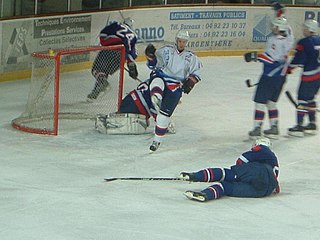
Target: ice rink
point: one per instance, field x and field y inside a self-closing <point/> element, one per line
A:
<point x="52" y="187"/>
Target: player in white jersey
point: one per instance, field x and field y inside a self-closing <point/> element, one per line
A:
<point x="175" y="70"/>
<point x="275" y="63"/>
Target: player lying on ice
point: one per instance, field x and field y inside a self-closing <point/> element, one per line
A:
<point x="254" y="175"/>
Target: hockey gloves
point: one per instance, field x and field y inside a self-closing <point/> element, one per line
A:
<point x="250" y="56"/>
<point x="133" y="71"/>
<point x="150" y="52"/>
<point x="188" y="84"/>
<point x="277" y="6"/>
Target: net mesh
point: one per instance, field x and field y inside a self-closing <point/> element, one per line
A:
<point x="61" y="82"/>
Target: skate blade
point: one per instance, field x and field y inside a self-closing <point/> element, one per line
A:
<point x="311" y="132"/>
<point x="272" y="136"/>
<point x="296" y="134"/>
<point x="190" y="195"/>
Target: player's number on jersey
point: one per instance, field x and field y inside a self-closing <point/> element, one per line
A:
<point x="124" y="32"/>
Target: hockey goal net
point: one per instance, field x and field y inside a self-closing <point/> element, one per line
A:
<point x="60" y="83"/>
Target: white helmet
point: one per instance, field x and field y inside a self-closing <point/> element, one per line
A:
<point x="129" y="22"/>
<point x="182" y="35"/>
<point x="311" y="25"/>
<point x="281" y="23"/>
<point x="263" y="141"/>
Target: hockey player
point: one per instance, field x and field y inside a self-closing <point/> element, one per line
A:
<point x="128" y="120"/>
<point x="175" y="70"/>
<point x="307" y="56"/>
<point x="274" y="60"/>
<point x="254" y="175"/>
<point x="107" y="61"/>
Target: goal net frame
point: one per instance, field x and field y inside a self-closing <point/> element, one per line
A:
<point x="53" y="76"/>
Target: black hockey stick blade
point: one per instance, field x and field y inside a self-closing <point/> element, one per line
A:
<point x="144" y="179"/>
<point x="291" y="99"/>
<point x="289" y="96"/>
<point x="249" y="85"/>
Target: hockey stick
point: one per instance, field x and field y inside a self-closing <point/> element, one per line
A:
<point x="145" y="179"/>
<point x="289" y="96"/>
<point x="249" y="85"/>
<point x="137" y="79"/>
<point x="297" y="106"/>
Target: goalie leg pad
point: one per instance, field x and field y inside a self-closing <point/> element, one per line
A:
<point x="121" y="124"/>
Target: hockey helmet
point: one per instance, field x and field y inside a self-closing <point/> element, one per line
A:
<point x="281" y="23"/>
<point x="129" y="22"/>
<point x="182" y="34"/>
<point x="263" y="141"/>
<point x="311" y="25"/>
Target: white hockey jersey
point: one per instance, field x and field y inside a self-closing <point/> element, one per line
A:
<point x="177" y="66"/>
<point x="275" y="56"/>
<point x="278" y="46"/>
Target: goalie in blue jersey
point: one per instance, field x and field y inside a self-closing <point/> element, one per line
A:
<point x="255" y="174"/>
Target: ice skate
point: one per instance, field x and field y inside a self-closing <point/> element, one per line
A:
<point x="92" y="96"/>
<point x="296" y="131"/>
<point x="100" y="87"/>
<point x="273" y="132"/>
<point x="255" y="133"/>
<point x="311" y="129"/>
<point x="187" y="176"/>
<point x="197" y="196"/>
<point x="154" y="146"/>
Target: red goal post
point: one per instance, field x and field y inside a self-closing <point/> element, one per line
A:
<point x="60" y="82"/>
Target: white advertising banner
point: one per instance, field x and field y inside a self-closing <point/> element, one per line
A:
<point x="212" y="29"/>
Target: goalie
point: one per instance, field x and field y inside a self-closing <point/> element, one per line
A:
<point x="135" y="111"/>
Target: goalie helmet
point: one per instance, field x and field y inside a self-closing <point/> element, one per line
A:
<point x="183" y="35"/>
<point x="263" y="141"/>
<point x="129" y="22"/>
<point x="311" y="25"/>
<point x="281" y="23"/>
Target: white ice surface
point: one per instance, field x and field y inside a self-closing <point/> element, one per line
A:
<point x="52" y="188"/>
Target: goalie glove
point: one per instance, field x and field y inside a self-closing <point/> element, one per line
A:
<point x="150" y="52"/>
<point x="133" y="71"/>
<point x="251" y="56"/>
<point x="189" y="83"/>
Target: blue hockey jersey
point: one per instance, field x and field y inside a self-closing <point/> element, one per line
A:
<point x="307" y="56"/>
<point x="118" y="33"/>
<point x="261" y="154"/>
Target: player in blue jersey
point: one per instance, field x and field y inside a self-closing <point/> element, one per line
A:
<point x="107" y="61"/>
<point x="254" y="175"/>
<point x="139" y="101"/>
<point x="307" y="56"/>
<point x="274" y="60"/>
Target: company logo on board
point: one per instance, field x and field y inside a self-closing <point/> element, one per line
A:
<point x="261" y="31"/>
